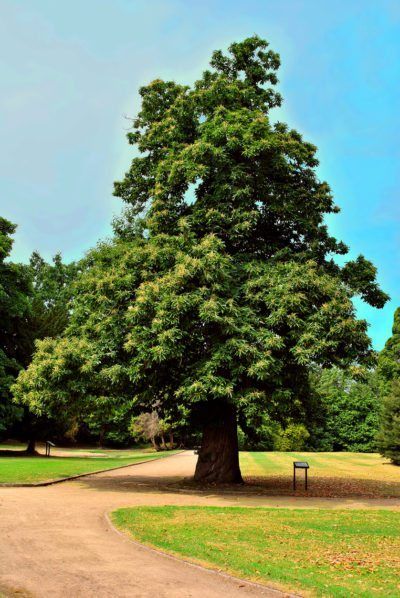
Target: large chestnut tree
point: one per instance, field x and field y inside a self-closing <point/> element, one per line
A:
<point x="221" y="288"/>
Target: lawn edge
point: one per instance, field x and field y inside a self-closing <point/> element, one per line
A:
<point x="79" y="475"/>
<point x="208" y="568"/>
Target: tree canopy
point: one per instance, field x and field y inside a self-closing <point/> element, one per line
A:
<point x="389" y="357"/>
<point x="34" y="305"/>
<point x="14" y="312"/>
<point x="220" y="289"/>
<point x="52" y="292"/>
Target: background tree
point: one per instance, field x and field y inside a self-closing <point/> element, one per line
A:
<point x="47" y="316"/>
<point x="389" y="357"/>
<point x="15" y="291"/>
<point x="221" y="291"/>
<point x="346" y="414"/>
<point x="52" y="292"/>
<point x="293" y="438"/>
<point x="81" y="378"/>
<point x="389" y="370"/>
<point x="389" y="433"/>
<point x="146" y="426"/>
<point x="150" y="427"/>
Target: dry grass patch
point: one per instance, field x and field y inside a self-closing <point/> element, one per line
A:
<point x="330" y="475"/>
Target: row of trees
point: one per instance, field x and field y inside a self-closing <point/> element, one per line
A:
<point x="34" y="301"/>
<point x="347" y="413"/>
<point x="219" y="299"/>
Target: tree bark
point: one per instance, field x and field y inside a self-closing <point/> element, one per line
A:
<point x="31" y="448"/>
<point x="102" y="434"/>
<point x="154" y="443"/>
<point x="218" y="460"/>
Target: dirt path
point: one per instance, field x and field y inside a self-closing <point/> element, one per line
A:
<point x="55" y="541"/>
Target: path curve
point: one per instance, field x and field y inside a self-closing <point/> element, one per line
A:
<point x="55" y="540"/>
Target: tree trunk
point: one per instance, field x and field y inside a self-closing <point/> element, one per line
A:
<point x="31" y="448"/>
<point x="154" y="443"/>
<point x="101" y="436"/>
<point x="163" y="445"/>
<point x="218" y="460"/>
<point x="171" y="440"/>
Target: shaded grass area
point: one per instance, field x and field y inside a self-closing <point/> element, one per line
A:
<point x="330" y="474"/>
<point x="329" y="553"/>
<point x="26" y="470"/>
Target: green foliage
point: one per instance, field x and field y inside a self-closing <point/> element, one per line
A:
<point x="220" y="284"/>
<point x="389" y="357"/>
<point x="14" y="313"/>
<point x="257" y="432"/>
<point x="63" y="379"/>
<point x="79" y="378"/>
<point x="389" y="371"/>
<point x="33" y="304"/>
<point x="346" y="414"/>
<point x="293" y="438"/>
<point x="251" y="297"/>
<point x="389" y="433"/>
<point x="52" y="291"/>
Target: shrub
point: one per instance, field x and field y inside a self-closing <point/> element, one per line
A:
<point x="293" y="438"/>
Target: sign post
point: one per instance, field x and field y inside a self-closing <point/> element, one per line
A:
<point x="48" y="447"/>
<point x="300" y="465"/>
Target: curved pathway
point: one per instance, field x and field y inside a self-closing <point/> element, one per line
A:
<point x="55" y="540"/>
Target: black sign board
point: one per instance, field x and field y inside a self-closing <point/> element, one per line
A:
<point x="300" y="465"/>
<point x="49" y="444"/>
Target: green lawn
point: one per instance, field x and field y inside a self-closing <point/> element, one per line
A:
<point x="325" y="552"/>
<point x="330" y="474"/>
<point x="38" y="469"/>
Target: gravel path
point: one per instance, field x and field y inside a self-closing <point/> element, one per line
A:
<point x="56" y="541"/>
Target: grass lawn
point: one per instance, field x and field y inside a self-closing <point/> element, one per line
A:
<point x="325" y="552"/>
<point x="330" y="474"/>
<point x="39" y="469"/>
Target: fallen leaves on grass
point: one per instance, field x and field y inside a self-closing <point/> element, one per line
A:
<point x="327" y="487"/>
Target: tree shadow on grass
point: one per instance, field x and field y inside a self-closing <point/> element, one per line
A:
<point x="327" y="487"/>
<point x="322" y="487"/>
<point x="131" y="483"/>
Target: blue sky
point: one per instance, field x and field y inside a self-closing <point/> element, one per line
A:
<point x="70" y="74"/>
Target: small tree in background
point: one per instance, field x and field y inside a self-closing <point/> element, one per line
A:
<point x="149" y="427"/>
<point x="293" y="438"/>
<point x="146" y="426"/>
